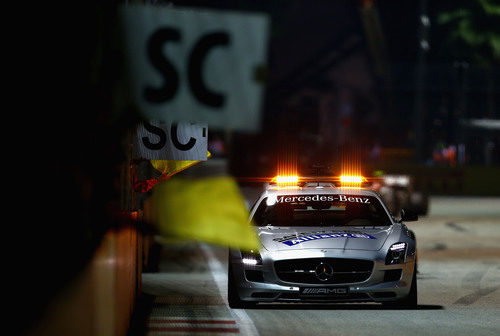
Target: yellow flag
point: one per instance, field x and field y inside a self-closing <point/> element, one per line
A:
<point x="206" y="209"/>
<point x="171" y="167"/>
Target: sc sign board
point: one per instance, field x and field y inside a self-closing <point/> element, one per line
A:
<point x="171" y="141"/>
<point x="196" y="65"/>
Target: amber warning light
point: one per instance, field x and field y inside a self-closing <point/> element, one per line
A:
<point x="348" y="179"/>
<point x="286" y="180"/>
<point x="295" y="181"/>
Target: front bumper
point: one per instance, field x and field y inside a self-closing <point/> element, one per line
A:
<point x="270" y="288"/>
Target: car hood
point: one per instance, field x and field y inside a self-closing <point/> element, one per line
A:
<point x="297" y="238"/>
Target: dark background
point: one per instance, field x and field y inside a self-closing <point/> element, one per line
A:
<point x="354" y="74"/>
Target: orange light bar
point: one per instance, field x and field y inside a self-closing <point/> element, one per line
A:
<point x="348" y="179"/>
<point x="286" y="180"/>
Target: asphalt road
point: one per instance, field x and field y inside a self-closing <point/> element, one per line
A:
<point x="459" y="286"/>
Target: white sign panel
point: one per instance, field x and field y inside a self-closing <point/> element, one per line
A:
<point x="171" y="141"/>
<point x="196" y="65"/>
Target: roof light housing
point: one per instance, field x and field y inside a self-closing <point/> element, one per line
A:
<point x="285" y="182"/>
<point x="352" y="181"/>
<point x="286" y="179"/>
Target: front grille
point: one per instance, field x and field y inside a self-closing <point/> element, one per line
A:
<point x="343" y="271"/>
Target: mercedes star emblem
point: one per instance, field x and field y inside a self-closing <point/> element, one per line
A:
<point x="324" y="272"/>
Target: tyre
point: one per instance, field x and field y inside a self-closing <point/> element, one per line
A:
<point x="233" y="298"/>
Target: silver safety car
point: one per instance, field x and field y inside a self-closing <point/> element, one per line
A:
<point x="325" y="243"/>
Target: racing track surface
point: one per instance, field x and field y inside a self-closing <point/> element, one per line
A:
<point x="459" y="286"/>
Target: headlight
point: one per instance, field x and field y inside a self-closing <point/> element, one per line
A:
<point x="396" y="254"/>
<point x="252" y="258"/>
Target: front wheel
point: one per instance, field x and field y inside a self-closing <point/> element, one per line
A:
<point x="233" y="298"/>
<point x="411" y="301"/>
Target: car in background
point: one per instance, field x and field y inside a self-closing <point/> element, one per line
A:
<point x="401" y="191"/>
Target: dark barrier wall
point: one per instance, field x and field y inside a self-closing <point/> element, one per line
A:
<point x="101" y="300"/>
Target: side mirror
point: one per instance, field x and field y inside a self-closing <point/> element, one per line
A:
<point x="408" y="215"/>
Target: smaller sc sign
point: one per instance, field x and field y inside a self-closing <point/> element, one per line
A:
<point x="171" y="141"/>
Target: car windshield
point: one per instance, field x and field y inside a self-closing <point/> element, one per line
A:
<point x="321" y="210"/>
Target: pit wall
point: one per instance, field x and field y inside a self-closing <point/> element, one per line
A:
<point x="101" y="300"/>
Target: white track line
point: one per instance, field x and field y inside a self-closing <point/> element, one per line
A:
<point x="247" y="327"/>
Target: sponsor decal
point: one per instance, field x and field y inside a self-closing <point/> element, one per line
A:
<point x="322" y="198"/>
<point x="292" y="240"/>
